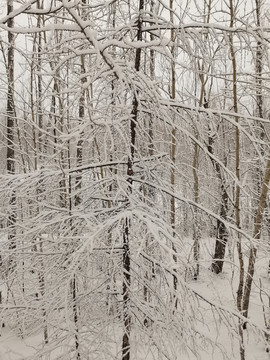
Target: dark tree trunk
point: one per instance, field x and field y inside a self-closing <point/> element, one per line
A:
<point x="222" y="233"/>
<point x="126" y="295"/>
<point x="10" y="133"/>
<point x="126" y="237"/>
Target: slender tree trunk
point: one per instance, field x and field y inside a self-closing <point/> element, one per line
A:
<point x="78" y="199"/>
<point x="202" y="102"/>
<point x="222" y="233"/>
<point x="149" y="191"/>
<point x="69" y="203"/>
<point x="257" y="236"/>
<point x="173" y="151"/>
<point x="195" y="166"/>
<point x="10" y="134"/>
<point x="259" y="69"/>
<point x="237" y="187"/>
<point x="41" y="279"/>
<point x="259" y="103"/>
<point x="258" y="172"/>
<point x="126" y="293"/>
<point x="79" y="155"/>
<point x="126" y="235"/>
<point x="196" y="230"/>
<point x="261" y="184"/>
<point x="38" y="163"/>
<point x="260" y="113"/>
<point x="75" y="315"/>
<point x="39" y="83"/>
<point x="10" y="95"/>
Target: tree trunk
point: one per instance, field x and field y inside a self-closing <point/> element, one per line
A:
<point x="10" y="134"/>
<point x="79" y="155"/>
<point x="222" y="233"/>
<point x="196" y="230"/>
<point x="126" y="236"/>
<point x="150" y="150"/>
<point x="237" y="187"/>
<point x="173" y="152"/>
<point x="257" y="235"/>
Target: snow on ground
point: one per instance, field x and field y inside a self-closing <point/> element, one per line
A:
<point x="14" y="348"/>
<point x="221" y="289"/>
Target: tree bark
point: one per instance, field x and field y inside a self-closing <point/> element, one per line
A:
<point x="222" y="233"/>
<point x="10" y="134"/>
<point x="237" y="187"/>
<point x="257" y="236"/>
<point x="126" y="236"/>
<point x="173" y="152"/>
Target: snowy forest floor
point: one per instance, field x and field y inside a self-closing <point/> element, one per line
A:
<point x="220" y="289"/>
